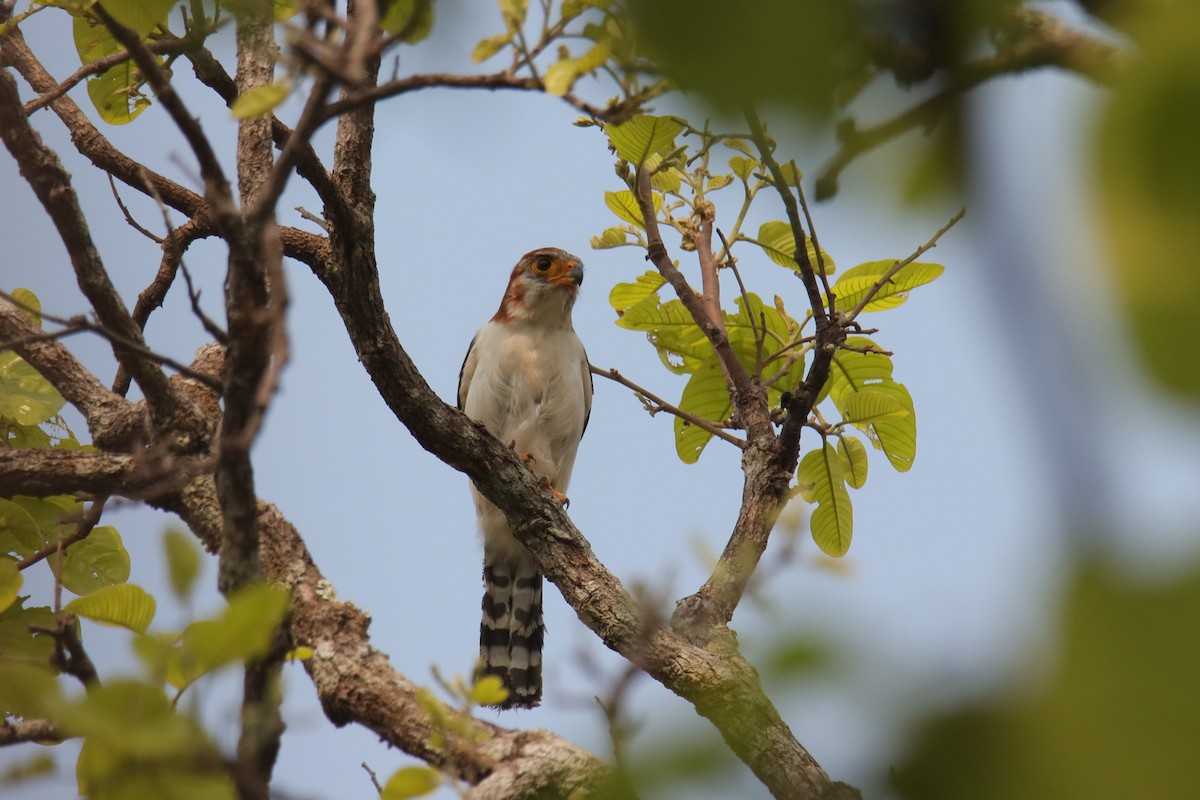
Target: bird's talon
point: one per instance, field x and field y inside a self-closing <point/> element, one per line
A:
<point x="559" y="496"/>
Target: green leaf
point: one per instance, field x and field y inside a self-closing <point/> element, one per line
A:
<point x="896" y="436"/>
<point x="612" y="237"/>
<point x="115" y="92"/>
<point x="513" y="12"/>
<point x="261" y="101"/>
<point x="93" y="563"/>
<point x="19" y="534"/>
<point x="183" y="561"/>
<point x="682" y="346"/>
<point x="870" y="405"/>
<point x="413" y="18"/>
<point x="244" y="631"/>
<point x="125" y="605"/>
<point x="854" y="453"/>
<point x="642" y="136"/>
<point x="706" y="397"/>
<point x="490" y="46"/>
<point x="854" y="284"/>
<point x="776" y="240"/>
<point x="17" y="641"/>
<point x="30" y="306"/>
<point x="561" y="75"/>
<point x="822" y="479"/>
<point x="743" y="167"/>
<point x="488" y="691"/>
<point x="625" y="206"/>
<point x="410" y="782"/>
<point x="143" y="16"/>
<point x="25" y="396"/>
<point x="28" y="690"/>
<point x="10" y="583"/>
<point x="627" y="295"/>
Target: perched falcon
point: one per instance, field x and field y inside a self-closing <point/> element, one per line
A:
<point x="526" y="380"/>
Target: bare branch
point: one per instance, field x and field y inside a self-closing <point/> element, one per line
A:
<point x="29" y="730"/>
<point x="87" y="523"/>
<point x="654" y="404"/>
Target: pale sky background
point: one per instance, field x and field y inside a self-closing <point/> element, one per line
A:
<point x="1013" y="357"/>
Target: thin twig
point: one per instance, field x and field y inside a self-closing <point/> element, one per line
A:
<point x="663" y="405"/>
<point x="87" y="522"/>
<point x="899" y="265"/>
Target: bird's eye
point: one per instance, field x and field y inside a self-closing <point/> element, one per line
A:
<point x="543" y="263"/>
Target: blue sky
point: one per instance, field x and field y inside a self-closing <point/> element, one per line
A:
<point x="951" y="580"/>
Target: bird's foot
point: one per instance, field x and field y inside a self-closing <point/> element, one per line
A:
<point x="559" y="496"/>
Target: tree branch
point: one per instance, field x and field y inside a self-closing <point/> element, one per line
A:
<point x="29" y="730"/>
<point x="659" y="404"/>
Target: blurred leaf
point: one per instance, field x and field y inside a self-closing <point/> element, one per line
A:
<point x="743" y="167"/>
<point x="822" y="479"/>
<point x="488" y="691"/>
<point x="25" y="396"/>
<point x="410" y="782"/>
<point x="19" y="534"/>
<point x="125" y="605"/>
<point x="612" y="237"/>
<point x="30" y="301"/>
<point x="413" y="17"/>
<point x="93" y="563"/>
<point x="643" y="136"/>
<point x="10" y="583"/>
<point x="261" y="101"/>
<point x="183" y="561"/>
<point x="561" y="75"/>
<point x="490" y="46"/>
<point x="1148" y="163"/>
<point x="17" y="641"/>
<point x="1116" y="719"/>
<point x="789" y="52"/>
<point x="142" y="16"/>
<point x="28" y="690"/>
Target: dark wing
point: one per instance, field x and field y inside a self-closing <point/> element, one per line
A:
<point x="587" y="399"/>
<point x="466" y="372"/>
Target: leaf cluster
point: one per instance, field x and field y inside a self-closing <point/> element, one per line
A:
<point x="860" y="401"/>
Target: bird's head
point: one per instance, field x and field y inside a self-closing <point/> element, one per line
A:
<point x="542" y="288"/>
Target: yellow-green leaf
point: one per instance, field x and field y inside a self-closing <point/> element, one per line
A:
<point x="126" y="605"/>
<point x="26" y="397"/>
<point x="490" y="46"/>
<point x="682" y="346"/>
<point x="116" y="92"/>
<point x="642" y="136"/>
<point x="743" y="167"/>
<point x="30" y="306"/>
<point x="896" y="436"/>
<point x="10" y="583"/>
<point x="489" y="691"/>
<point x="870" y="405"/>
<point x="410" y="782"/>
<point x="854" y="453"/>
<point x="705" y="396"/>
<point x="183" y="561"/>
<point x="612" y="237"/>
<point x="98" y="561"/>
<point x="776" y="240"/>
<point x="822" y="481"/>
<point x="627" y="295"/>
<point x="261" y="101"/>
<point x="625" y="206"/>
<point x="412" y="18"/>
<point x="299" y="654"/>
<point x="19" y="533"/>
<point x="28" y="690"/>
<point x="17" y="639"/>
<point x="143" y="16"/>
<point x="853" y="286"/>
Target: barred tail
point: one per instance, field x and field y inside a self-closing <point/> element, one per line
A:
<point x="511" y="634"/>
